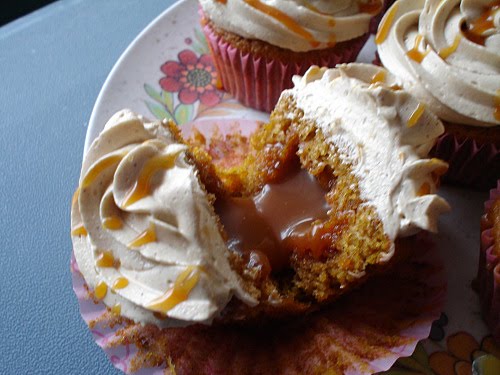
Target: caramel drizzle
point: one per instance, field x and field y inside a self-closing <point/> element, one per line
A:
<point x="440" y="170"/>
<point x="414" y="53"/>
<point x="100" y="167"/>
<point x="424" y="189"/>
<point x="447" y="51"/>
<point x="332" y="41"/>
<point x="379" y="77"/>
<point x="148" y="236"/>
<point x="79" y="231"/>
<point x="105" y="260"/>
<point x="112" y="223"/>
<point x="386" y="24"/>
<point x="120" y="283"/>
<point x="142" y="187"/>
<point x="415" y="116"/>
<point x="178" y="293"/>
<point x="308" y="5"/>
<point x="474" y="32"/>
<point x="101" y="290"/>
<point x="284" y="19"/>
<point x="496" y="112"/>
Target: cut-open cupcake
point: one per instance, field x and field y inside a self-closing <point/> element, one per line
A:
<point x="328" y="193"/>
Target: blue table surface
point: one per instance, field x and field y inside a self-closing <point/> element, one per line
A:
<point x="52" y="65"/>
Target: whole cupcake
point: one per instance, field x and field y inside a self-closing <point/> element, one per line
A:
<point x="448" y="55"/>
<point x="259" y="45"/>
<point x="488" y="278"/>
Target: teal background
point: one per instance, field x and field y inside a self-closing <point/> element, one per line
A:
<point x="53" y="63"/>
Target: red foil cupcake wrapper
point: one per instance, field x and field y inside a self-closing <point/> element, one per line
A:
<point x="488" y="278"/>
<point x="364" y="332"/>
<point x="471" y="163"/>
<point x="257" y="82"/>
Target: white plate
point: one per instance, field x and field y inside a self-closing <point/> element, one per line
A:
<point x="174" y="37"/>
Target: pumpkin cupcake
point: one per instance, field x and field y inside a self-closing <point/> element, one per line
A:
<point x="193" y="257"/>
<point x="259" y="45"/>
<point x="448" y="55"/>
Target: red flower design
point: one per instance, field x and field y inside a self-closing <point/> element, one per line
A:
<point x="194" y="78"/>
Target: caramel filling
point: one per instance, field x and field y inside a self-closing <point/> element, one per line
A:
<point x="270" y="224"/>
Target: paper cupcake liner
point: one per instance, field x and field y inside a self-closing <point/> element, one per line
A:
<point x="471" y="163"/>
<point x="364" y="332"/>
<point x="488" y="277"/>
<point x="376" y="60"/>
<point x="257" y="82"/>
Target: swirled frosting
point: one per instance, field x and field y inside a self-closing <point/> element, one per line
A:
<point x="448" y="54"/>
<point x="297" y="25"/>
<point x="143" y="229"/>
<point x="385" y="134"/>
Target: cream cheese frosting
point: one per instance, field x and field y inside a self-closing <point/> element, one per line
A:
<point x="447" y="52"/>
<point x="385" y="134"/>
<point x="144" y="232"/>
<point x="297" y="25"/>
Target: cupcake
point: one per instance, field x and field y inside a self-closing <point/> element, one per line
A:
<point x="448" y="55"/>
<point x="194" y="257"/>
<point x="488" y="278"/>
<point x="259" y="45"/>
<point x="167" y="237"/>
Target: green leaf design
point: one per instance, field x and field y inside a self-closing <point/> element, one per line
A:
<point x="168" y="100"/>
<point x="153" y="93"/>
<point x="201" y="41"/>
<point x="159" y="111"/>
<point x="183" y="114"/>
<point x="198" y="49"/>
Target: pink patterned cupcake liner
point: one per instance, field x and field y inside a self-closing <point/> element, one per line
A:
<point x="363" y="333"/>
<point x="471" y="163"/>
<point x="256" y="81"/>
<point x="488" y="277"/>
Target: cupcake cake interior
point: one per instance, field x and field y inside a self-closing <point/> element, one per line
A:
<point x="292" y="211"/>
